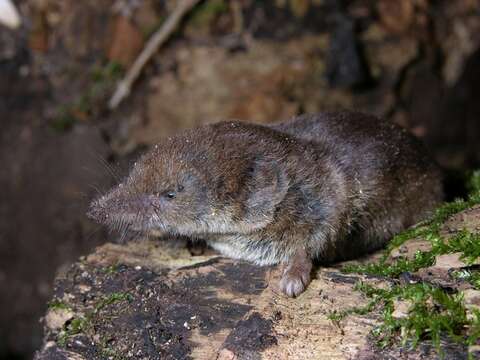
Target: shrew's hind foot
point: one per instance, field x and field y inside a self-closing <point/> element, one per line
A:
<point x="296" y="274"/>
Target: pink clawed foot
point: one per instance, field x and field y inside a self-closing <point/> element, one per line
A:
<point x="296" y="274"/>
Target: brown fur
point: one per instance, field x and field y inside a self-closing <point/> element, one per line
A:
<point x="327" y="186"/>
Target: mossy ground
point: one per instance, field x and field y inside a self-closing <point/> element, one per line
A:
<point x="433" y="312"/>
<point x="82" y="324"/>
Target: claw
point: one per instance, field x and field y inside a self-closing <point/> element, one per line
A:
<point x="296" y="275"/>
<point x="292" y="286"/>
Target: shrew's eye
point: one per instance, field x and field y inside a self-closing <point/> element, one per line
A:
<point x="170" y="194"/>
<point x="180" y="188"/>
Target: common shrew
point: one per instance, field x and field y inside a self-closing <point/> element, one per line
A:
<point x="325" y="187"/>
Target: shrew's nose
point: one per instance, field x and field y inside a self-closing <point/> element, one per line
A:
<point x="97" y="212"/>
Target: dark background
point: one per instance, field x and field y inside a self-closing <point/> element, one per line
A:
<point x="415" y="62"/>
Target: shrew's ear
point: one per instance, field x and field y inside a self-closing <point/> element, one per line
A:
<point x="266" y="188"/>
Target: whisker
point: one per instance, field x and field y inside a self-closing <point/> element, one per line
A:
<point x="97" y="189"/>
<point x="81" y="194"/>
<point x="89" y="236"/>
<point x="125" y="230"/>
<point x="108" y="167"/>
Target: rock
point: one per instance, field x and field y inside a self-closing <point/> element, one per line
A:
<point x="440" y="274"/>
<point x="126" y="42"/>
<point x="56" y="318"/>
<point x="401" y="309"/>
<point x="410" y="248"/>
<point x="209" y="84"/>
<point x="468" y="220"/>
<point x="471" y="298"/>
<point x="449" y="261"/>
<point x="474" y="350"/>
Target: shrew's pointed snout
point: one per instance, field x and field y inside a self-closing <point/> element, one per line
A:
<point x="116" y="207"/>
<point x="97" y="212"/>
<point x="103" y="208"/>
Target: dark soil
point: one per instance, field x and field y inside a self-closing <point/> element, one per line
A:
<point x="140" y="314"/>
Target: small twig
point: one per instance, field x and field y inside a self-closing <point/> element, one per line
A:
<point x="238" y="22"/>
<point x="152" y="46"/>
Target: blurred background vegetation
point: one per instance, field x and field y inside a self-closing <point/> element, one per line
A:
<point x="415" y="62"/>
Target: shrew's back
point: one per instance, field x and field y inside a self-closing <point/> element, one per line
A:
<point x="387" y="166"/>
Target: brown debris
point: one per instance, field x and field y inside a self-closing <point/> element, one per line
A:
<point x="38" y="39"/>
<point x="396" y="16"/>
<point x="126" y="42"/>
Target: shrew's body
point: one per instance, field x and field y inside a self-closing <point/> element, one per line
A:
<point x="327" y="186"/>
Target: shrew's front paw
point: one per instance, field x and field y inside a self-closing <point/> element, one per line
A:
<point x="293" y="284"/>
<point x="296" y="275"/>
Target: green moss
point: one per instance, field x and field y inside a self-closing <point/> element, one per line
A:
<point x="64" y="121"/>
<point x="336" y="316"/>
<point x="433" y="312"/>
<point x="58" y="305"/>
<point x="207" y="12"/>
<point x="84" y="324"/>
<point x="112" y="269"/>
<point x="111" y="354"/>
<point x="464" y="242"/>
<point x="473" y="184"/>
<point x="108" y="352"/>
<point x="111" y="71"/>
<point x="75" y="326"/>
<point x="150" y="30"/>
<point x="112" y="298"/>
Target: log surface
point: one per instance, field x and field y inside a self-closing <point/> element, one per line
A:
<point x="151" y="300"/>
